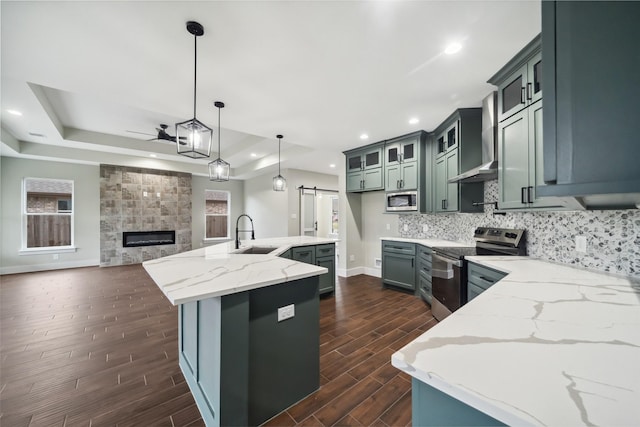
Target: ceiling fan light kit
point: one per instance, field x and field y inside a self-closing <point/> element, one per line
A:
<point x="193" y="138"/>
<point x="219" y="169"/>
<point x="279" y="183"/>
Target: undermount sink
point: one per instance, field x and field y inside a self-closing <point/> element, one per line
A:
<point x="256" y="250"/>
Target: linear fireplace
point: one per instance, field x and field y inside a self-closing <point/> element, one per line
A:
<point x="148" y="238"/>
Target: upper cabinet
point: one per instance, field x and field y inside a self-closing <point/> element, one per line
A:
<point x="364" y="168"/>
<point x="458" y="146"/>
<point x="520" y="169"/>
<point x="591" y="115"/>
<point x="403" y="170"/>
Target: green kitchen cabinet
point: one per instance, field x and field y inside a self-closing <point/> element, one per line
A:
<point x="591" y="126"/>
<point x="520" y="138"/>
<point x="480" y="278"/>
<point x="398" y="264"/>
<point x="402" y="162"/>
<point x="364" y="168"/>
<point x="458" y="147"/>
<point x="323" y="256"/>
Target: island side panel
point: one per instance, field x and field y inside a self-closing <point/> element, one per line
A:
<point x="285" y="356"/>
<point x="431" y="407"/>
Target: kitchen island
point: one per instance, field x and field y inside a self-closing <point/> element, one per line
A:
<point x="248" y="326"/>
<point x="549" y="344"/>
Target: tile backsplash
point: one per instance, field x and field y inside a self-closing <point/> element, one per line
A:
<point x="613" y="237"/>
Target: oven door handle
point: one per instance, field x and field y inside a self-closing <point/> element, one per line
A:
<point x="444" y="258"/>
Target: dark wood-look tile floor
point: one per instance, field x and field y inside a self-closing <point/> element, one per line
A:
<point x="98" y="347"/>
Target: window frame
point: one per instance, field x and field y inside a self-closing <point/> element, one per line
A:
<point x="228" y="215"/>
<point x="24" y="214"/>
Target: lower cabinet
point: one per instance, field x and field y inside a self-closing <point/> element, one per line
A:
<point x="320" y="255"/>
<point x="398" y="264"/>
<point x="480" y="278"/>
<point x="424" y="273"/>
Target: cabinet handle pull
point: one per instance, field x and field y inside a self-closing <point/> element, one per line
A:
<point x="402" y="183"/>
<point x="529" y="97"/>
<point x="442" y="204"/>
<point x="522" y="96"/>
<point x="411" y="262"/>
<point x="530" y="194"/>
<point x="523" y="195"/>
<point x="397" y="183"/>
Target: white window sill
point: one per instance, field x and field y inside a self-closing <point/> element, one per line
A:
<point x="51" y="250"/>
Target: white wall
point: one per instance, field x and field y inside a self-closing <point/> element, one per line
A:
<point x="266" y="207"/>
<point x="375" y="224"/>
<point x="199" y="185"/>
<point x="86" y="206"/>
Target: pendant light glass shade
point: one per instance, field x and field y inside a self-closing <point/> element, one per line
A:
<point x="279" y="183"/>
<point x="193" y="138"/>
<point x="219" y="169"/>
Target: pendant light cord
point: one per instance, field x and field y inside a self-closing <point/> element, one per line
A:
<point x="195" y="71"/>
<point x="279" y="140"/>
<point x="219" y="128"/>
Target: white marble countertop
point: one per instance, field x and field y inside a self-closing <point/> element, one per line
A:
<point x="216" y="270"/>
<point x="432" y="243"/>
<point x="547" y="345"/>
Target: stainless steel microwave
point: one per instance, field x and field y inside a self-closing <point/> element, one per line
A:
<point x="405" y="201"/>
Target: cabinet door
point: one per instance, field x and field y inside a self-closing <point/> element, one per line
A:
<point x="327" y="281"/>
<point x="392" y="154"/>
<point x="372" y="158"/>
<point x="452" y="135"/>
<point x="534" y="79"/>
<point x="512" y="94"/>
<point x="409" y="176"/>
<point x="306" y="254"/>
<point x="513" y="161"/>
<point x="409" y="150"/>
<point x="392" y="176"/>
<point x="373" y="179"/>
<point x="399" y="270"/>
<point x="354" y="162"/>
<point x="440" y="184"/>
<point x="441" y="144"/>
<point x="354" y="181"/>
<point x="451" y="204"/>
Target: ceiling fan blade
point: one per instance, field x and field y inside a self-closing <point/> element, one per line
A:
<point x="141" y="133"/>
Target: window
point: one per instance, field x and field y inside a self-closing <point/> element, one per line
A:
<point x="216" y="214"/>
<point x="47" y="213"/>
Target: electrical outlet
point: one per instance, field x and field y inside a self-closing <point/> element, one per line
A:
<point x="352" y="258"/>
<point x="388" y="226"/>
<point x="425" y="228"/>
<point x="286" y="312"/>
<point x="56" y="256"/>
<point x="581" y="244"/>
<point x="406" y="227"/>
<point x="145" y="194"/>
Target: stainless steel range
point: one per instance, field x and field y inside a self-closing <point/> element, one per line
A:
<point x="449" y="272"/>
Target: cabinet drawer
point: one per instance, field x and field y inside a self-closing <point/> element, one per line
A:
<point x="399" y="247"/>
<point x="304" y="254"/>
<point x="425" y="288"/>
<point x="483" y="277"/>
<point x="424" y="267"/>
<point x="326" y="250"/>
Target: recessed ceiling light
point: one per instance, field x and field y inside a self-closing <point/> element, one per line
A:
<point x="332" y="165"/>
<point x="153" y="155"/>
<point x="414" y="120"/>
<point x="364" y="136"/>
<point x="453" y="48"/>
<point x="14" y="112"/>
<point x="254" y="155"/>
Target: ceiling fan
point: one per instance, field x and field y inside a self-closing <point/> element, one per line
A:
<point x="162" y="134"/>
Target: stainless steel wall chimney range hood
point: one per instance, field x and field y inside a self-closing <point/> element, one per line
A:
<point x="488" y="170"/>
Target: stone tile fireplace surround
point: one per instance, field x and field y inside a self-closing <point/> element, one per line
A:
<point x="136" y="199"/>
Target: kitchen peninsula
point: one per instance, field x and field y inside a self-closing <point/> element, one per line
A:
<point x="549" y="344"/>
<point x="248" y="324"/>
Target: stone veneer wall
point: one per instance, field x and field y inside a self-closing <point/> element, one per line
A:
<point x="613" y="237"/>
<point x="125" y="207"/>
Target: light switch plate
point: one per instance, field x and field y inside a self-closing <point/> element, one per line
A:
<point x="286" y="312"/>
<point x="406" y="227"/>
<point x="425" y="228"/>
<point x="581" y="244"/>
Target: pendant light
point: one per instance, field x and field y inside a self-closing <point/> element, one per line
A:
<point x="279" y="183"/>
<point x="193" y="138"/>
<point x="219" y="169"/>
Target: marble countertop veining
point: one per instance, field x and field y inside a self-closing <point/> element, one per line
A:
<point x="547" y="345"/>
<point x="216" y="270"/>
<point x="432" y="243"/>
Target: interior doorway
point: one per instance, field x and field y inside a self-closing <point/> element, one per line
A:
<point x="319" y="214"/>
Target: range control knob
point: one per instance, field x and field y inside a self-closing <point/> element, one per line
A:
<point x="511" y="235"/>
<point x="479" y="231"/>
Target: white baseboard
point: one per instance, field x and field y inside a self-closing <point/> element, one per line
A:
<point x="350" y="272"/>
<point x="49" y="266"/>
<point x="372" y="271"/>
